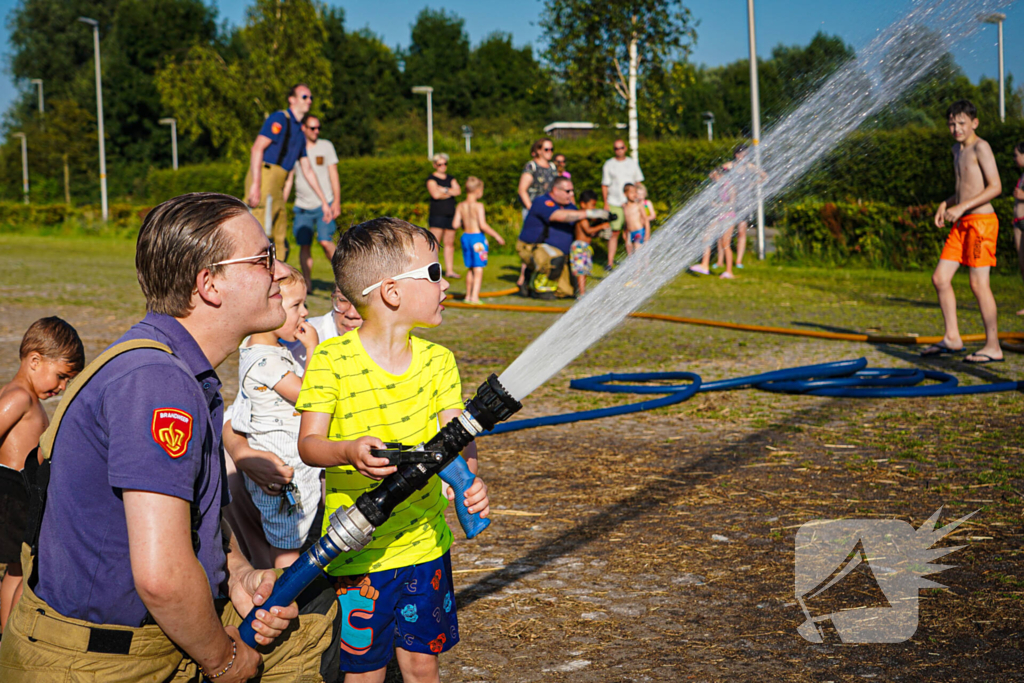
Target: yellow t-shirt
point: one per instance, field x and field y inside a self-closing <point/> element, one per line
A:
<point x="364" y="400"/>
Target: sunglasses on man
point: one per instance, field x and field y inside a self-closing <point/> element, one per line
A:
<point x="431" y="272"/>
<point x="267" y="257"/>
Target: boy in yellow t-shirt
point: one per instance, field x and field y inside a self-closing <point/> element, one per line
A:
<point x="377" y="384"/>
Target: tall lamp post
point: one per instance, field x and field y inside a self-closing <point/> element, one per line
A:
<point x="39" y="83"/>
<point x="99" y="111"/>
<point x="998" y="18"/>
<point x="24" y="165"/>
<point x="429" y="92"/>
<point x="173" y="123"/>
<point x="755" y="115"/>
<point x="709" y="121"/>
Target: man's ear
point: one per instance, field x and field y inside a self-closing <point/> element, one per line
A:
<point x="206" y="289"/>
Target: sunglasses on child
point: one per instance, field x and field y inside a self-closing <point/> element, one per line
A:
<point x="431" y="272"/>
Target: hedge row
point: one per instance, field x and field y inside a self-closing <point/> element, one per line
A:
<point x="907" y="167"/>
<point x="875" y="234"/>
<point x="670" y="167"/>
<point x="124" y="219"/>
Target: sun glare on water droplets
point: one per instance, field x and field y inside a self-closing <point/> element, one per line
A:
<point x="885" y="68"/>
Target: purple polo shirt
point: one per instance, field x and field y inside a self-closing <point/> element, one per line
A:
<point x="147" y="421"/>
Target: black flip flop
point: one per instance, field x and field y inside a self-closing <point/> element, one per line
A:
<point x="988" y="359"/>
<point x="939" y="350"/>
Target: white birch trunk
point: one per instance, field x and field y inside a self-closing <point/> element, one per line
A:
<point x="634" y="136"/>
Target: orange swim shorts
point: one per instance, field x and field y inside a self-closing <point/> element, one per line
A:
<point x="972" y="241"/>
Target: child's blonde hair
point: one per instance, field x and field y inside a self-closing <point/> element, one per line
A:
<point x="292" y="279"/>
<point x="473" y="184"/>
<point x="641" y="190"/>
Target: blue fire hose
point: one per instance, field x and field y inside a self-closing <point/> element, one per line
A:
<point x="842" y="379"/>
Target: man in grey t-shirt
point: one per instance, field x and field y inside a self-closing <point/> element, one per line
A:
<point x="308" y="210"/>
<point x="616" y="173"/>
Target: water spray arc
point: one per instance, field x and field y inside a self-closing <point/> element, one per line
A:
<point x="900" y="55"/>
<point x="352" y="528"/>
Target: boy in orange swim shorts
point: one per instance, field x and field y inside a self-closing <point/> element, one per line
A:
<point x="972" y="240"/>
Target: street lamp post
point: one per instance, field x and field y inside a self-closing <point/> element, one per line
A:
<point x="709" y="121"/>
<point x="429" y="92"/>
<point x="99" y="111"/>
<point x="755" y="115"/>
<point x="173" y="123"/>
<point x="467" y="132"/>
<point x="998" y="18"/>
<point x="24" y="165"/>
<point x="39" y="82"/>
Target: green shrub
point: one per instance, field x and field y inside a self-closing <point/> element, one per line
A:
<point x="874" y="234"/>
<point x="672" y="168"/>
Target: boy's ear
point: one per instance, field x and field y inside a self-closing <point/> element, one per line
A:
<point x="390" y="294"/>
<point x="35" y="360"/>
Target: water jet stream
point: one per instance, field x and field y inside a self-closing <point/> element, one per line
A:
<point x="900" y="55"/>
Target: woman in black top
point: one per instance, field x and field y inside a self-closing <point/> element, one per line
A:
<point x="443" y="190"/>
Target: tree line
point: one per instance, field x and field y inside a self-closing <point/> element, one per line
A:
<point x="175" y="58"/>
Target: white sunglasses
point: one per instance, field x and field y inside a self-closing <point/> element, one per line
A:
<point x="430" y="272"/>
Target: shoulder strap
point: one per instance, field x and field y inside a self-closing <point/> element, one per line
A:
<point x="287" y="137"/>
<point x="50" y="435"/>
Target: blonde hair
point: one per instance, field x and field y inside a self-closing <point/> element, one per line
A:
<point x="440" y="156"/>
<point x="641" y="190"/>
<point x="473" y="184"/>
<point x="373" y="251"/>
<point x="292" y="279"/>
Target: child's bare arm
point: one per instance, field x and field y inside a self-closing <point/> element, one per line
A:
<point x="1018" y="194"/>
<point x="482" y="220"/>
<point x="317" y="450"/>
<point x="457" y="221"/>
<point x="653" y="214"/>
<point x="14" y="405"/>
<point x="289" y="386"/>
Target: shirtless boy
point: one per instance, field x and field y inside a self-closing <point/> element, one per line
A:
<point x="581" y="254"/>
<point x="471" y="217"/>
<point x="51" y="354"/>
<point x="972" y="239"/>
<point x="1018" y="211"/>
<point x="638" y="225"/>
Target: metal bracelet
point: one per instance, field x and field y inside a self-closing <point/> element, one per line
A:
<point x="234" y="652"/>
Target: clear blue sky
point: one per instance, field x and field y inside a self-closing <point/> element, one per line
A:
<point x="722" y="32"/>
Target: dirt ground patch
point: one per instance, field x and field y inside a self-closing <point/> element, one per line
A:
<point x="660" y="547"/>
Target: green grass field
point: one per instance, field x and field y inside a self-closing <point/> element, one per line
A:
<point x="601" y="527"/>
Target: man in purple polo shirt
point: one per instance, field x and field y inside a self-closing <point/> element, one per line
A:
<point x="136" y="577"/>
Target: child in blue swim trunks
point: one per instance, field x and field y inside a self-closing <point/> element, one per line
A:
<point x="636" y="220"/>
<point x="471" y="217"/>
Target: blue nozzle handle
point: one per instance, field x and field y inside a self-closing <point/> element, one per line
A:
<point x="286" y="590"/>
<point x="457" y="475"/>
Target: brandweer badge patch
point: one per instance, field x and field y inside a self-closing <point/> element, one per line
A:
<point x="172" y="430"/>
<point x="275" y="128"/>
